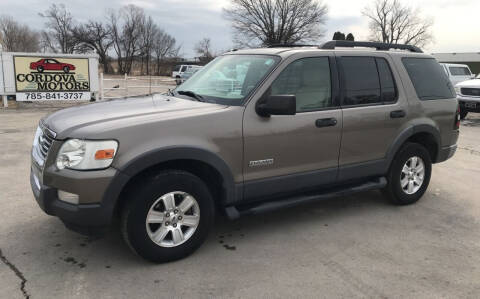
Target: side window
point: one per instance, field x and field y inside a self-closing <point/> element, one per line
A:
<point x="388" y="89"/>
<point x="428" y="79"/>
<point x="361" y="82"/>
<point x="309" y="80"/>
<point x="184" y="68"/>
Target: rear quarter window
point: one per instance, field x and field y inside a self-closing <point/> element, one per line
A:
<point x="459" y="71"/>
<point x="428" y="78"/>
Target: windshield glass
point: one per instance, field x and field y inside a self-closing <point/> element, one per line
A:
<point x="229" y="79"/>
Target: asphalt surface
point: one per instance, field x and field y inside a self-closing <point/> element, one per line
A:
<point x="355" y="246"/>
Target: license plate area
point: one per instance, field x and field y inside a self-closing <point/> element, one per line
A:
<point x="470" y="105"/>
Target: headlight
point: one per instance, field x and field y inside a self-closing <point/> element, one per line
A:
<point x="457" y="90"/>
<point x="86" y="154"/>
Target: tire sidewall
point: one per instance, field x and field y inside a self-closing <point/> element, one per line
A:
<point x="408" y="151"/>
<point x="144" y="198"/>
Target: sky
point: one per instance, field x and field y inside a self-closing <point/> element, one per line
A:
<point x="456" y="26"/>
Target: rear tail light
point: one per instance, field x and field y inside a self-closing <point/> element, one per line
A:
<point x="456" y="125"/>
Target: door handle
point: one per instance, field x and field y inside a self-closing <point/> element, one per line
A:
<point x="398" y="114"/>
<point x="325" y="122"/>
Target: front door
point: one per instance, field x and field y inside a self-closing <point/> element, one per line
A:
<point x="284" y="154"/>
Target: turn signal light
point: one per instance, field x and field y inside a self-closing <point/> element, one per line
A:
<point x="104" y="154"/>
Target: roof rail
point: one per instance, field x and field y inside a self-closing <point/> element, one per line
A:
<point x="290" y="46"/>
<point x="331" y="45"/>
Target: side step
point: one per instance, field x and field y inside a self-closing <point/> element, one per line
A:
<point x="235" y="212"/>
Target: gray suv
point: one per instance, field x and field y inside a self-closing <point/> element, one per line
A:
<point x="253" y="131"/>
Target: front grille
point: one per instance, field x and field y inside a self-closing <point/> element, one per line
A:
<point x="42" y="143"/>
<point x="470" y="91"/>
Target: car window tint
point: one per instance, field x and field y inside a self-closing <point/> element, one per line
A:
<point x="309" y="80"/>
<point x="459" y="71"/>
<point x="387" y="84"/>
<point x="361" y="83"/>
<point x="183" y="68"/>
<point x="429" y="80"/>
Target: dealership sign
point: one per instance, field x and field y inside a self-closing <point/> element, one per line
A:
<point x="45" y="78"/>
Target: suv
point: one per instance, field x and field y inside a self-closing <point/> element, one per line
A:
<point x="468" y="95"/>
<point x="253" y="131"/>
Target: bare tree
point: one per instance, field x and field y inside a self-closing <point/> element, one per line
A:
<point x="164" y="46"/>
<point x="59" y="23"/>
<point x="96" y="36"/>
<point x="204" y="50"/>
<point x="392" y="22"/>
<point x="15" y="37"/>
<point x="125" y="27"/>
<point x="148" y="32"/>
<point x="269" y="22"/>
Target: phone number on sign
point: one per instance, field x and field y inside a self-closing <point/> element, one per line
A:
<point x="54" y="96"/>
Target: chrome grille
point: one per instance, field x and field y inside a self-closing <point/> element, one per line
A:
<point x="41" y="144"/>
<point x="470" y="91"/>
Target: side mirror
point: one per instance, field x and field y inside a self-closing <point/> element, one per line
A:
<point x="277" y="105"/>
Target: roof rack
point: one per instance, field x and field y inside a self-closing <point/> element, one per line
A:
<point x="331" y="45"/>
<point x="290" y="46"/>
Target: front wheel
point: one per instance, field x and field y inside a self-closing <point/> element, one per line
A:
<point x="167" y="217"/>
<point x="409" y="174"/>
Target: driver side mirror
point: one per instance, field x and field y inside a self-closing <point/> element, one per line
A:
<point x="277" y="105"/>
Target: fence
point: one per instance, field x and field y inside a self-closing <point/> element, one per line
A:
<point x="133" y="86"/>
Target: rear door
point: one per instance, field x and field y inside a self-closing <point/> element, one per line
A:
<point x="372" y="113"/>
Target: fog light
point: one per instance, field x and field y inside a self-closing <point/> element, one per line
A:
<point x="68" y="197"/>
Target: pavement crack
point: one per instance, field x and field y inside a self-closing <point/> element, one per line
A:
<point x="17" y="272"/>
<point x="472" y="151"/>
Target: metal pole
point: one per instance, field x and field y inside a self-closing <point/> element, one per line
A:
<point x="126" y="85"/>
<point x="5" y="101"/>
<point x="102" y="92"/>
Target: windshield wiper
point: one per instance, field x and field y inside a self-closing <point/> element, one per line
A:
<point x="191" y="94"/>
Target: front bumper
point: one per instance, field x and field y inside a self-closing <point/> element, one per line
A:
<point x="86" y="217"/>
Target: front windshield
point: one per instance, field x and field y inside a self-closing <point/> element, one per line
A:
<point x="229" y="79"/>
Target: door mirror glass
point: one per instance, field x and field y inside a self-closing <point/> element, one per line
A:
<point x="277" y="105"/>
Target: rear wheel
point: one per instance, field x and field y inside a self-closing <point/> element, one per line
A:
<point x="409" y="174"/>
<point x="168" y="217"/>
<point x="40" y="69"/>
<point x="463" y="113"/>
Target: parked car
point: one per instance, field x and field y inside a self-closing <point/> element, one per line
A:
<point x="468" y="95"/>
<point x="457" y="72"/>
<point x="178" y="70"/>
<point x="186" y="75"/>
<point x="51" y="65"/>
<point x="304" y="124"/>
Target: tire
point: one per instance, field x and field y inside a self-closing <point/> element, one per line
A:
<point x="144" y="197"/>
<point x="396" y="176"/>
<point x="66" y="69"/>
<point x="463" y="113"/>
<point x="40" y="69"/>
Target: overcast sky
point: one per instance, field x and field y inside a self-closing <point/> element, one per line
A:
<point x="456" y="26"/>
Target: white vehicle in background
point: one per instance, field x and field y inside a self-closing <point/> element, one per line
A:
<point x="468" y="95"/>
<point x="179" y="69"/>
<point x="457" y="72"/>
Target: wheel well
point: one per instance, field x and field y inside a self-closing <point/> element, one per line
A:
<point x="208" y="174"/>
<point x="428" y="141"/>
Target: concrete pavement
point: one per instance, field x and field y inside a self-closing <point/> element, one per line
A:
<point x="356" y="246"/>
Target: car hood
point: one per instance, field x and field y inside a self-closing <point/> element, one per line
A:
<point x="65" y="121"/>
<point x="470" y="83"/>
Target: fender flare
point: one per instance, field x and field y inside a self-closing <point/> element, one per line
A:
<point x="409" y="132"/>
<point x="154" y="157"/>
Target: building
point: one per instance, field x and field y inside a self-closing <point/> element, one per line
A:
<point x="470" y="59"/>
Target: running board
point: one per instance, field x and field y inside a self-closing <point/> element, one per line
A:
<point x="235" y="212"/>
